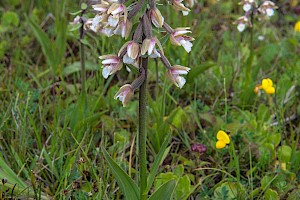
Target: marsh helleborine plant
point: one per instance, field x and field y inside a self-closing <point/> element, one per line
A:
<point x="116" y="18"/>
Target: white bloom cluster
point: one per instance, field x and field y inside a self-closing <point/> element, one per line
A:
<point x="250" y="7"/>
<point x="111" y="19"/>
<point x="115" y="18"/>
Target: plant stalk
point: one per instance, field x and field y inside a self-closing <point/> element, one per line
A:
<point x="82" y="65"/>
<point x="82" y="61"/>
<point x="142" y="132"/>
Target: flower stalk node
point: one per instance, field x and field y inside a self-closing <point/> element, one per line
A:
<point x="136" y="84"/>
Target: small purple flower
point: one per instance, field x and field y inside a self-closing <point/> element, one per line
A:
<point x="200" y="148"/>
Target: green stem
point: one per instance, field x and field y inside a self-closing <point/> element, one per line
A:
<point x="236" y="161"/>
<point x="251" y="173"/>
<point x="142" y="132"/>
<point x="82" y="60"/>
<point x="82" y="65"/>
<point x="251" y="56"/>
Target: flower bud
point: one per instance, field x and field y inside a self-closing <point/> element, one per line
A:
<point x="149" y="46"/>
<point x="133" y="50"/>
<point x="156" y="18"/>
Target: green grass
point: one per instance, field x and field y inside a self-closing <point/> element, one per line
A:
<point x="51" y="139"/>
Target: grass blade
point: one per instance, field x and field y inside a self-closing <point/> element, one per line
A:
<point x="44" y="41"/>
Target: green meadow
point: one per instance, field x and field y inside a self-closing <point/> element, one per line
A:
<point x="231" y="132"/>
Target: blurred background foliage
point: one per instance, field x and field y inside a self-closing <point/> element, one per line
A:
<point x="50" y="138"/>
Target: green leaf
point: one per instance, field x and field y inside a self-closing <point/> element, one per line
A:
<point x="270" y="148"/>
<point x="274" y="138"/>
<point x="79" y="113"/>
<point x="164" y="192"/>
<point x="199" y="69"/>
<point x="183" y="188"/>
<point x="61" y="40"/>
<point x="84" y="6"/>
<point x="7" y="173"/>
<point x="14" y="181"/>
<point x="162" y="178"/>
<point x="73" y="27"/>
<point x="163" y="152"/>
<point x="295" y="161"/>
<point x="10" y="19"/>
<point x="284" y="153"/>
<point x="164" y="39"/>
<point x="76" y="12"/>
<point x="271" y="194"/>
<point x="126" y="184"/>
<point x="178" y="117"/>
<point x="266" y="181"/>
<point x="228" y="190"/>
<point x="179" y="170"/>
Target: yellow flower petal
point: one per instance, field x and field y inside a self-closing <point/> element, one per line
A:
<point x="270" y="90"/>
<point x="297" y="26"/>
<point x="266" y="83"/>
<point x="220" y="144"/>
<point x="222" y="136"/>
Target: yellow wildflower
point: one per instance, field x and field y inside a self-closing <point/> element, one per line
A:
<point x="297" y="26"/>
<point x="223" y="139"/>
<point x="267" y="86"/>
